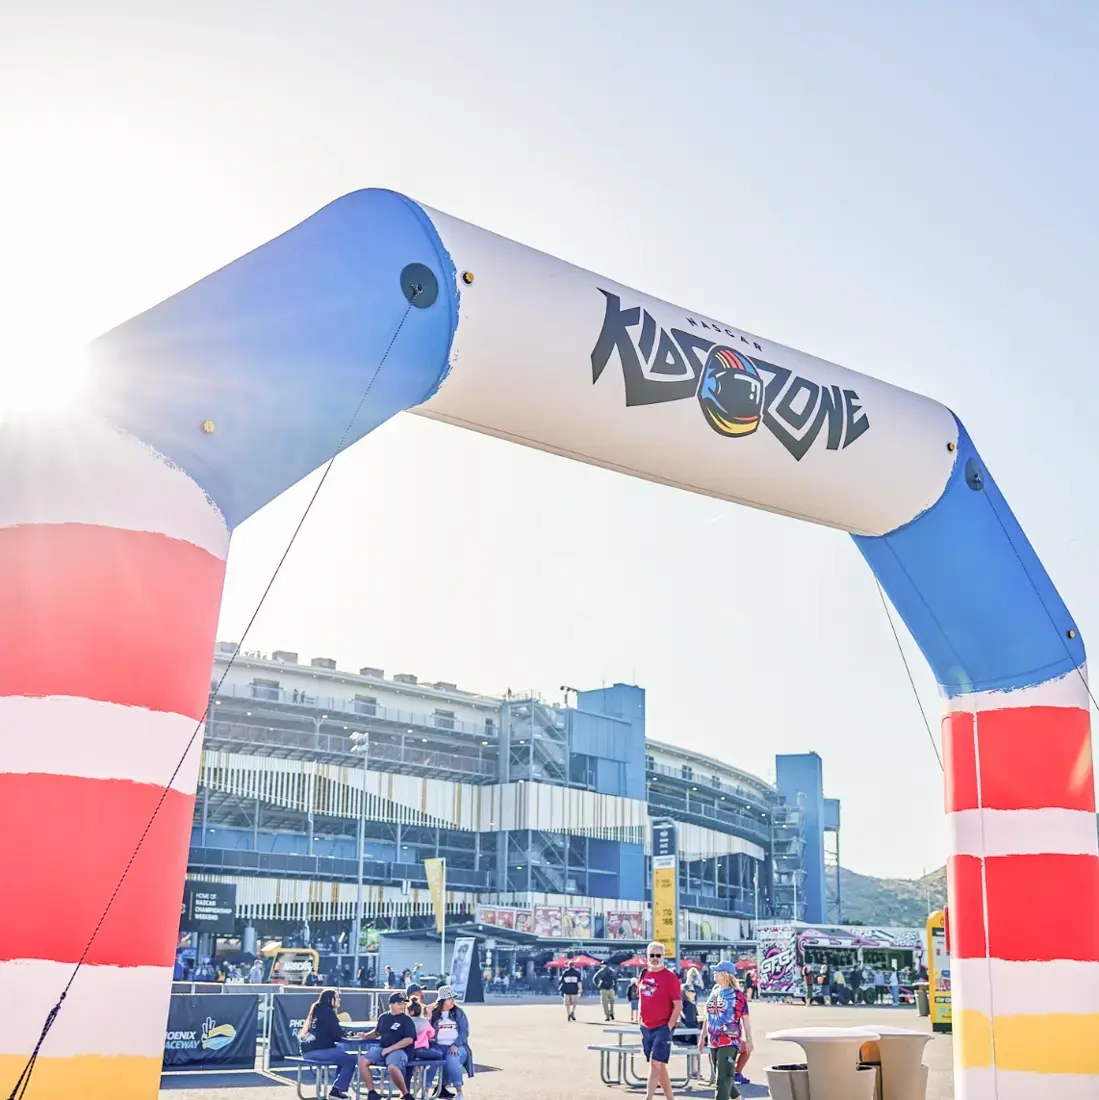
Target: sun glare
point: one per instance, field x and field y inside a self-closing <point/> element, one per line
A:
<point x="38" y="380"/>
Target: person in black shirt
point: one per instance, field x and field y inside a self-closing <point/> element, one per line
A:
<point x="570" y="986"/>
<point x="319" y="1036"/>
<point x="395" y="1036"/>
<point x="605" y="980"/>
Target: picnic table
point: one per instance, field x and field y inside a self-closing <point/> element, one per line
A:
<point x="415" y="1078"/>
<point x="616" y="1059"/>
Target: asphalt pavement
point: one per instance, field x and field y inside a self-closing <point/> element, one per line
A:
<point x="530" y="1051"/>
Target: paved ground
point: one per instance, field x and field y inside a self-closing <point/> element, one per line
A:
<point x="529" y="1051"/>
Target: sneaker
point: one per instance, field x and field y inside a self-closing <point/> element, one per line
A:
<point x="373" y="1094"/>
<point x="335" y="1094"/>
<point x="740" y="1079"/>
<point x="445" y="1093"/>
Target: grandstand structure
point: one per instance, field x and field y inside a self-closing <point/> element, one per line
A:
<point x="530" y="802"/>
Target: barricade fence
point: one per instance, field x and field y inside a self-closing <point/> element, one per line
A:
<point x="233" y="1026"/>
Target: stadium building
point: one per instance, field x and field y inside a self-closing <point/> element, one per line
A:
<point x="538" y="808"/>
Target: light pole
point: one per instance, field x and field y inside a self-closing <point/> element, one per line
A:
<point x="755" y="909"/>
<point x="362" y="747"/>
<point x="317" y="720"/>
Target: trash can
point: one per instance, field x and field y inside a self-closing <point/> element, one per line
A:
<point x="923" y="1002"/>
<point x="789" y="1082"/>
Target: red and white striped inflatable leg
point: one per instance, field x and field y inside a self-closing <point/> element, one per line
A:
<point x="1024" y="893"/>
<point x="111" y="571"/>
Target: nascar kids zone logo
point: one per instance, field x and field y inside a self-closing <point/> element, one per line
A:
<point x="737" y="390"/>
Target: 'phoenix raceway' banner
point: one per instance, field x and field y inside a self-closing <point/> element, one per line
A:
<point x="209" y="1031"/>
<point x="290" y="1010"/>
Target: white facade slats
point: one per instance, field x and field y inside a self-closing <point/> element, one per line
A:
<point x="338" y="791"/>
<point x="302" y="899"/>
<point x="698" y="842"/>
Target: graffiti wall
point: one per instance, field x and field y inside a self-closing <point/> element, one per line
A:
<point x="779" y="968"/>
<point x="782" y="950"/>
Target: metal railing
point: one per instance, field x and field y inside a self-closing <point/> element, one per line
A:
<point x="712" y="783"/>
<point x="738" y="904"/>
<point x="201" y="859"/>
<point x="361" y="708"/>
<point x="728" y="821"/>
<point x="379" y="753"/>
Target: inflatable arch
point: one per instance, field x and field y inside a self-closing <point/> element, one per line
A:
<point x="115" y="525"/>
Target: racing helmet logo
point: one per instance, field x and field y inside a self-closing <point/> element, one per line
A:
<point x="731" y="393"/>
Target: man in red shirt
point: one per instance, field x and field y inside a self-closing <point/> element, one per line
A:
<point x="661" y="1005"/>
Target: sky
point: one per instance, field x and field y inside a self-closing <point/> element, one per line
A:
<point x="907" y="190"/>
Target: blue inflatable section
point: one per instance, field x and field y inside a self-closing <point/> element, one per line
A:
<point x="970" y="588"/>
<point x="278" y="348"/>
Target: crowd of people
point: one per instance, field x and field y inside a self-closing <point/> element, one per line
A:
<point x="707" y="1009"/>
<point x="827" y="983"/>
<point x="409" y="1035"/>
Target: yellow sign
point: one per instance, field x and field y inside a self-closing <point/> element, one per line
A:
<point x="436" y="883"/>
<point x="938" y="973"/>
<point x="664" y="903"/>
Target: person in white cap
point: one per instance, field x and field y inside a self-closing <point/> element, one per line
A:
<point x="452" y="1038"/>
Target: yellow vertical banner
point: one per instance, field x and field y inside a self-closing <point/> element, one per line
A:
<point x="436" y="884"/>
<point x="664" y="907"/>
<point x="665" y="851"/>
<point x="938" y="973"/>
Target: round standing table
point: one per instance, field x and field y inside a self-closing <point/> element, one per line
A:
<point x="903" y="1074"/>
<point x="832" y="1055"/>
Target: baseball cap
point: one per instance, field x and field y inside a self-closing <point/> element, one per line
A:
<point x="725" y="968"/>
<point x="413" y="988"/>
<point x="446" y="993"/>
<point x="396" y="998"/>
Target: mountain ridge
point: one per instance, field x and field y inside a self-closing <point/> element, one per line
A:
<point x="889" y="902"/>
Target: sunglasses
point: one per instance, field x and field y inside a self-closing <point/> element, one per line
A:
<point x="656" y="956"/>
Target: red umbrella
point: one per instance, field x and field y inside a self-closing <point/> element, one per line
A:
<point x="557" y="964"/>
<point x="584" y="960"/>
<point x="686" y="964"/>
<point x="637" y="960"/>
<point x="747" y="964"/>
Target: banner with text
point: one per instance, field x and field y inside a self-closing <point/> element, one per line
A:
<point x="938" y="972"/>
<point x="210" y="1031"/>
<point x="208" y="907"/>
<point x="460" y="965"/>
<point x="290" y="1010"/>
<point x="666" y="888"/>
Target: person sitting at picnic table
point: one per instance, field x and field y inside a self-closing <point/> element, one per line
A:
<point x="451" y="1038"/>
<point x="395" y="1035"/>
<point x="688" y="1018"/>
<point x="320" y="1035"/>
<point x="688" y="1021"/>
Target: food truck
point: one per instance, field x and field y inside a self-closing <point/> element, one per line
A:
<point x="785" y="949"/>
